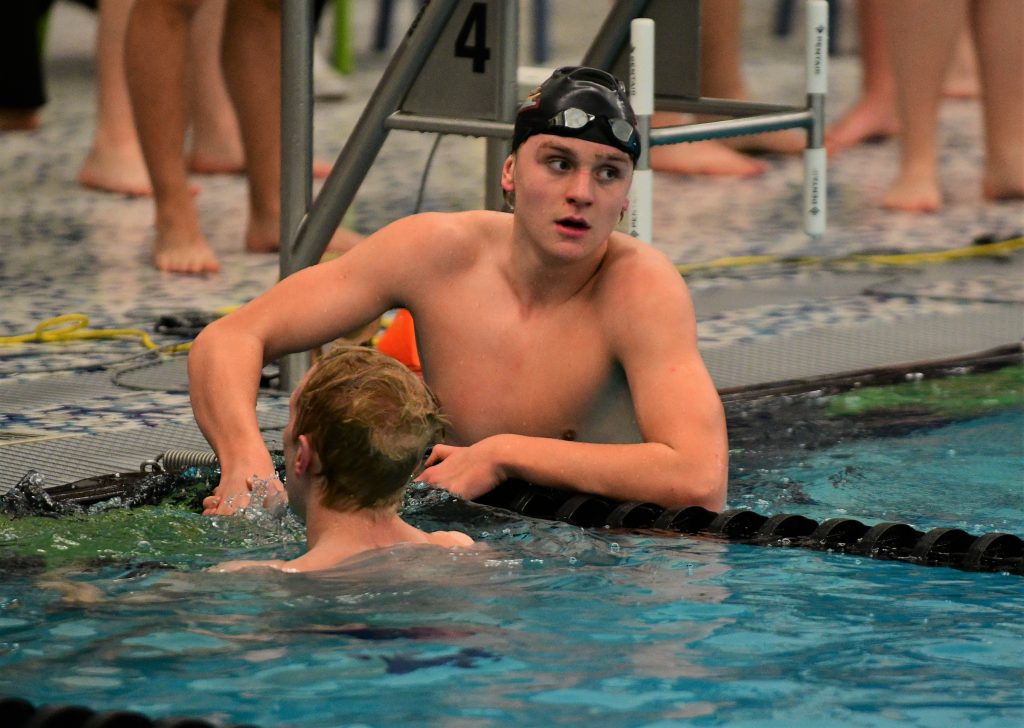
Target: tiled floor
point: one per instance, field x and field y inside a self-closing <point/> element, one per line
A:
<point x="67" y="249"/>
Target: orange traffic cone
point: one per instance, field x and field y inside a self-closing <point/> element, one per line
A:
<point x="399" y="341"/>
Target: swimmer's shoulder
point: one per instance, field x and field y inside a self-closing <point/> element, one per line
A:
<point x="450" y="539"/>
<point x="443" y="243"/>
<point x="628" y="258"/>
<point x="453" y="227"/>
<point x="232" y="566"/>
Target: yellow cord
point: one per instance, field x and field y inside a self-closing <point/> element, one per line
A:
<point x="940" y="256"/>
<point x="74" y="327"/>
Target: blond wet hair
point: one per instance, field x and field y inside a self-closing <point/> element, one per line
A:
<point x="370" y="420"/>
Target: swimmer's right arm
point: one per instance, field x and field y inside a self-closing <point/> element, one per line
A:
<point x="311" y="307"/>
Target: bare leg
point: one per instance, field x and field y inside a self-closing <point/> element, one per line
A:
<point x="156" y="52"/>
<point x="921" y="44"/>
<point x="114" y="162"/>
<point x="252" y="52"/>
<point x="962" y="80"/>
<point x="999" y="38"/>
<point x="874" y="115"/>
<point x="216" y="140"/>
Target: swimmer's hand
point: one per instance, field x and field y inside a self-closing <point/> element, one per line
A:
<point x="227" y="501"/>
<point x="468" y="472"/>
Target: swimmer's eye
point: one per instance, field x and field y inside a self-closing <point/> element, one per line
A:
<point x="609" y="173"/>
<point x="559" y="164"/>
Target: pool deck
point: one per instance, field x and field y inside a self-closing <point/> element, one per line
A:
<point x="98" y="404"/>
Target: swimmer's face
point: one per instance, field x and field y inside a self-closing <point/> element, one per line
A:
<point x="570" y="193"/>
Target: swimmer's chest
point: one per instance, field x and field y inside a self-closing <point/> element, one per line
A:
<point x="544" y="375"/>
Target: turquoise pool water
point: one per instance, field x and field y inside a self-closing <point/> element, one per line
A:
<point x="550" y="624"/>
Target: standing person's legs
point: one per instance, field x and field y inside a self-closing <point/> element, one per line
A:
<point x="156" y="51"/>
<point x="114" y="162"/>
<point x="874" y="114"/>
<point x="252" y="68"/>
<point x="216" y="143"/>
<point x="921" y="44"/>
<point x="998" y="27"/>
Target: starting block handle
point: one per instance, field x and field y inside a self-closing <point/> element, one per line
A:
<point x="641" y="97"/>
<point x="815" y="158"/>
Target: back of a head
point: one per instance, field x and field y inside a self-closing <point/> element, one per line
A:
<point x="580" y="102"/>
<point x="369" y="419"/>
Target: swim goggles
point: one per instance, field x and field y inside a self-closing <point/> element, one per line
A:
<point x="574" y="119"/>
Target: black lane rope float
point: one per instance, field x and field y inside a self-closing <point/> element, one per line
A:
<point x="952" y="547"/>
<point x="20" y="713"/>
<point x="172" y="478"/>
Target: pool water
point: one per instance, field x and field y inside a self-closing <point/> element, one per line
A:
<point x="549" y="624"/>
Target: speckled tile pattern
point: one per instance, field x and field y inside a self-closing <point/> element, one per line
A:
<point x="67" y="249"/>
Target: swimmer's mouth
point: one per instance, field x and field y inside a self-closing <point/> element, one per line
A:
<point x="574" y="223"/>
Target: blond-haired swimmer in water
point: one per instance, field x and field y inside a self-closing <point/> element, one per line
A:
<point x="359" y="425"/>
<point x="564" y="352"/>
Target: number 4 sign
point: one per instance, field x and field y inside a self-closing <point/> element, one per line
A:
<point x="473" y="61"/>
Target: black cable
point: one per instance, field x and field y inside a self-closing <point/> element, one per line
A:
<point x="426" y="172"/>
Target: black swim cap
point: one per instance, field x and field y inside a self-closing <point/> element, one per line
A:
<point x="580" y="102"/>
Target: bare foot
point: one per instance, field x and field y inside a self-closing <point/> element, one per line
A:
<point x="263" y="235"/>
<point x="206" y="162"/>
<point x="19" y="119"/>
<point x="321" y="168"/>
<point x="1004" y="177"/>
<point x="772" y="142"/>
<point x="913" y="193"/>
<point x="266" y="238"/>
<point x="117" y="169"/>
<point x="200" y="162"/>
<point x="177" y="253"/>
<point x="961" y="87"/>
<point x="869" y="120"/>
<point x="706" y="157"/>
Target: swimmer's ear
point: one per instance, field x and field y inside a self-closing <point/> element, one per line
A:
<point x="507" y="174"/>
<point x="304" y="455"/>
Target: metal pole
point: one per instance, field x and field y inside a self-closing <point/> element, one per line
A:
<point x="730" y="127"/>
<point x="641" y="97"/>
<point x="613" y="34"/>
<point x="296" y="148"/>
<point x="815" y="159"/>
<point x="498" y="149"/>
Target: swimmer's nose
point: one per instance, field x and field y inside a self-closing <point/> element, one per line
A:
<point x="581" y="188"/>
